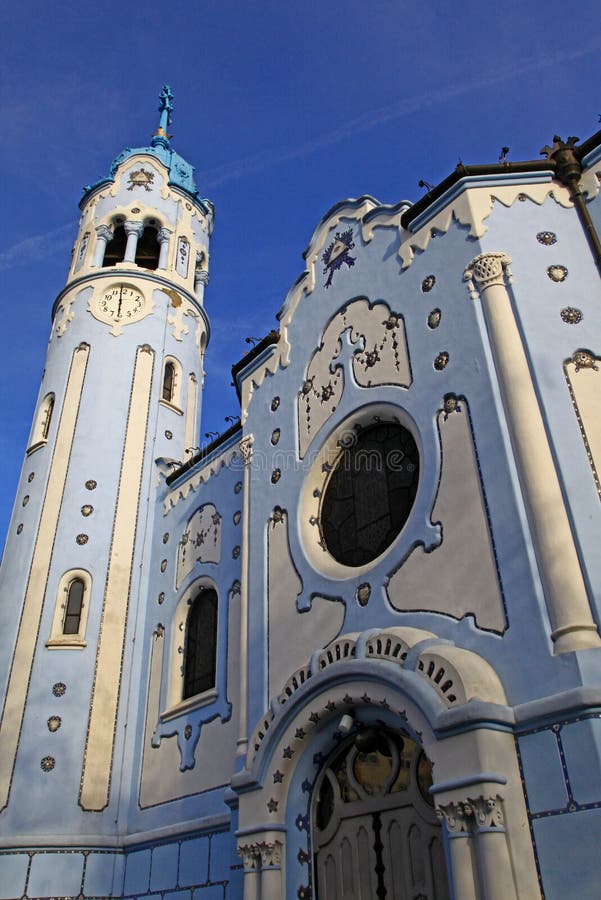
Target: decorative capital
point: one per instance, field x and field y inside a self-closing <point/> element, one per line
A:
<point x="163" y="234"/>
<point x="486" y="270"/>
<point x="201" y="276"/>
<point x="104" y="233"/>
<point x="251" y="856"/>
<point x="246" y="449"/>
<point x="457" y="817"/>
<point x="467" y="816"/>
<point x="271" y="853"/>
<point x="487" y="812"/>
<point x="132" y="227"/>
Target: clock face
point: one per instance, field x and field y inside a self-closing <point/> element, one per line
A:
<point x="120" y="305"/>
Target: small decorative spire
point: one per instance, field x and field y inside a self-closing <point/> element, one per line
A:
<point x="160" y="137"/>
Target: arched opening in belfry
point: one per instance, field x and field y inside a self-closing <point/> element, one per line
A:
<point x="375" y="833"/>
<point x="115" y="249"/>
<point x="148" y="248"/>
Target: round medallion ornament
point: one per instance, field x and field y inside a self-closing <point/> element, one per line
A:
<point x="275" y="403"/>
<point x="188" y="732"/>
<point x="441" y="361"/>
<point x="165" y="537"/>
<point x="582" y="359"/>
<point x="31" y="476"/>
<point x="91" y="485"/>
<point x="236" y="552"/>
<point x="571" y="316"/>
<point x="135" y="210"/>
<point x="87" y="510"/>
<point x="163" y="565"/>
<point x="363" y="594"/>
<point x="557" y="273"/>
<point x="25" y="499"/>
<point x="20" y="528"/>
<point x="434" y="318"/>
<point x="54" y="723"/>
<point x="547" y="238"/>
<point x="47" y="763"/>
<point x="59" y="689"/>
<point x="81" y="539"/>
<point x="275" y="436"/>
<point x="428" y="283"/>
<point x="236" y="517"/>
<point x="450" y="404"/>
<point x="168" y="435"/>
<point x="237" y="487"/>
<point x="276" y="475"/>
<point x="161" y="597"/>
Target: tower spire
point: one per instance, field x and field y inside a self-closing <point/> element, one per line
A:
<point x="160" y="137"/>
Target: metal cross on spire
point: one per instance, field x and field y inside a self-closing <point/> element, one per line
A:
<point x="165" y="106"/>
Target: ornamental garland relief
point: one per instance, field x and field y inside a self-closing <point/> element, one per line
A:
<point x="371" y="338"/>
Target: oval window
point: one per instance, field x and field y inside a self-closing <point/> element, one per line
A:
<point x="369" y="494"/>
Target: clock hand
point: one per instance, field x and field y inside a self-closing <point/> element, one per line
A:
<point x="120" y="302"/>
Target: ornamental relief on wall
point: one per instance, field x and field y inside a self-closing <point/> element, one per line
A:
<point x="200" y="542"/>
<point x="372" y="339"/>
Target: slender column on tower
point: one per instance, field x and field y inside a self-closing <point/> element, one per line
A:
<point x="133" y="231"/>
<point x="104" y="234"/>
<point x="163" y="236"/>
<point x="565" y="591"/>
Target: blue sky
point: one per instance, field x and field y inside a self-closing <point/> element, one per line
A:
<point x="284" y="108"/>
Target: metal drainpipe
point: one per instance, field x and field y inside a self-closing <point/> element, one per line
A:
<point x="568" y="169"/>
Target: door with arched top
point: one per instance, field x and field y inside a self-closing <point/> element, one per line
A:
<point x="375" y="832"/>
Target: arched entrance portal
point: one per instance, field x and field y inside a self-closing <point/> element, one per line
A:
<point x="375" y="832"/>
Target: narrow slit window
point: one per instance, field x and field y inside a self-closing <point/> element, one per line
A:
<point x="169" y="382"/>
<point x="46" y="416"/>
<point x="74" y="607"/>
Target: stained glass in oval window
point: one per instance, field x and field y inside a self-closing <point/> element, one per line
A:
<point x="370" y="493"/>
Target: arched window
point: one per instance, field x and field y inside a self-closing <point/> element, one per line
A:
<point x="46" y="417"/>
<point x="148" y="249"/>
<point x="168" y="381"/>
<point x="71" y="611"/>
<point x="73" y="607"/>
<point x="171" y="385"/>
<point x="42" y="425"/>
<point x="115" y="249"/>
<point x="200" y="653"/>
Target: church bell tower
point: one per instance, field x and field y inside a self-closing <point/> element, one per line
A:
<point x="119" y="402"/>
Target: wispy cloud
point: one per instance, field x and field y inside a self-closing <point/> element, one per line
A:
<point x="373" y="118"/>
<point x="38" y="247"/>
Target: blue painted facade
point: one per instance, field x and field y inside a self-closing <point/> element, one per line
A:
<point x="456" y="635"/>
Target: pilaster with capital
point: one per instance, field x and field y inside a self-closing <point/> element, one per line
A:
<point x="573" y="627"/>
<point x="133" y="230"/>
<point x="480" y="861"/>
<point x="104" y="234"/>
<point x="251" y="862"/>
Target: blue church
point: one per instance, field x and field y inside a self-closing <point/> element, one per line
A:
<point x="350" y="649"/>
